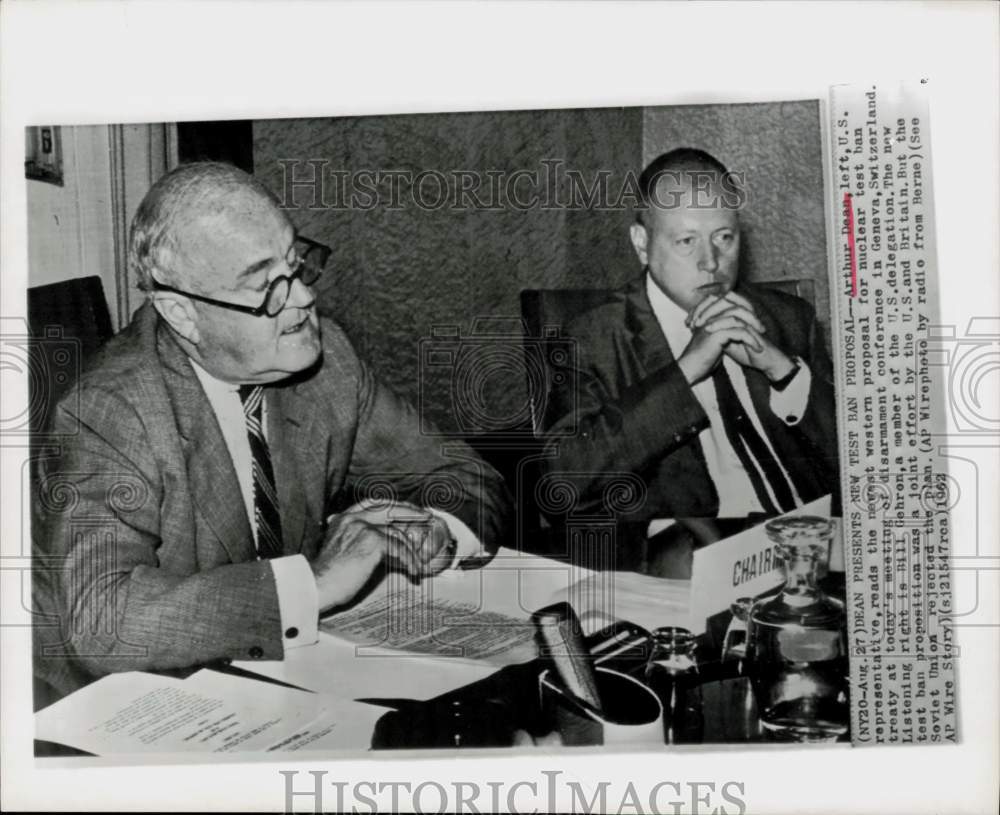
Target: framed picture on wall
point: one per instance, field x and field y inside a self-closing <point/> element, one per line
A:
<point x="43" y="154"/>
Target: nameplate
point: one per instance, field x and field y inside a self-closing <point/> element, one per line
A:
<point x="743" y="565"/>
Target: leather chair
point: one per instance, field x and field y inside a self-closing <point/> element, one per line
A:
<point x="67" y="322"/>
<point x="545" y="312"/>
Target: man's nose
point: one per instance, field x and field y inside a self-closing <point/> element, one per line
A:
<point x="300" y="295"/>
<point x="708" y="259"/>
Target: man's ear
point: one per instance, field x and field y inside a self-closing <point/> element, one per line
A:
<point x="640" y="240"/>
<point x="180" y="314"/>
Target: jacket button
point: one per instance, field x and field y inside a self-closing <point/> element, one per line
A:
<point x="256" y="652"/>
<point x="292" y="633"/>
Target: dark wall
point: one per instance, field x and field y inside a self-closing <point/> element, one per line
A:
<point x="398" y="273"/>
<point x="779" y="148"/>
<point x="395" y="274"/>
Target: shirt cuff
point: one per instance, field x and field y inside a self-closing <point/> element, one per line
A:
<point x="468" y="544"/>
<point x="789" y="404"/>
<point x="298" y="604"/>
<point x="658" y="525"/>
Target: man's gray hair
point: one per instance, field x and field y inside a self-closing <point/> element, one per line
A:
<point x="174" y="201"/>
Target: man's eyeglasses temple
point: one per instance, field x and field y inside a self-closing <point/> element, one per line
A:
<point x="321" y="249"/>
<point x="256" y="311"/>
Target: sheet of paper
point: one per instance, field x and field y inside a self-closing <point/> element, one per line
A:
<point x="418" y="619"/>
<point x="135" y="712"/>
<point x="141" y="712"/>
<point x="511" y="587"/>
<point x="603" y="597"/>
<point x="320" y="720"/>
<point x="481" y="615"/>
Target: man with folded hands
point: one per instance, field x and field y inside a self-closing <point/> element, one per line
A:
<point x="718" y="394"/>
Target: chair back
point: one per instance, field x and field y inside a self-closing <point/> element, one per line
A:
<point x="545" y="313"/>
<point x="67" y="322"/>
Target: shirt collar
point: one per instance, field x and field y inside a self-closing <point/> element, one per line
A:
<point x="211" y="385"/>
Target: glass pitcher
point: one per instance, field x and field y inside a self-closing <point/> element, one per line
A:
<point x="796" y="641"/>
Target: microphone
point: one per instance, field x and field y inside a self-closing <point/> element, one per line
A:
<point x="562" y="640"/>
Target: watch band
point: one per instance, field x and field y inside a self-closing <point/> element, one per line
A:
<point x="786" y="380"/>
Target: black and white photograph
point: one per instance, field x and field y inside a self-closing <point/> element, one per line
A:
<point x="340" y="365"/>
<point x="601" y="431"/>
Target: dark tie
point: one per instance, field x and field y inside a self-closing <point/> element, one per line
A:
<point x="265" y="497"/>
<point x="750" y="447"/>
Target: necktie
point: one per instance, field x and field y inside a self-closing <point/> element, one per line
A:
<point x="750" y="447"/>
<point x="265" y="497"/>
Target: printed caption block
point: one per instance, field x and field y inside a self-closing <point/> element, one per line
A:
<point x="895" y="486"/>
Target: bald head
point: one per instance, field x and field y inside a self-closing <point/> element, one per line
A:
<point x="180" y="205"/>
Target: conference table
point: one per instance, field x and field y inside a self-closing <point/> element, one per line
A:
<point x="477" y="685"/>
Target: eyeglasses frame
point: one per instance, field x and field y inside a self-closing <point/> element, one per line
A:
<point x="261" y="310"/>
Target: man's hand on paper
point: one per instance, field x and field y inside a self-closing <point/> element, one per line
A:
<point x="403" y="536"/>
<point x="432" y="540"/>
<point x="728" y="325"/>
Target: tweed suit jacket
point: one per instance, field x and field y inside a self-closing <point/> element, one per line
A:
<point x="626" y="408"/>
<point x="144" y="555"/>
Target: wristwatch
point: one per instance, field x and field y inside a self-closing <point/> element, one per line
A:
<point x="786" y="380"/>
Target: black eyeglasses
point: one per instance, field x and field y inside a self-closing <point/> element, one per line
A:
<point x="306" y="265"/>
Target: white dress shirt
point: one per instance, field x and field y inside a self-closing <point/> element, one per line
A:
<point x="298" y="604"/>
<point x="736" y="493"/>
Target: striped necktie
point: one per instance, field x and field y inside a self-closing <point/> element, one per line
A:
<point x="750" y="446"/>
<point x="265" y="497"/>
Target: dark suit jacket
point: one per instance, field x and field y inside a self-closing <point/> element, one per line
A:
<point x="635" y="414"/>
<point x="144" y="554"/>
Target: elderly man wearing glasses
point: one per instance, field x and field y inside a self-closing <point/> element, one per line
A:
<point x="217" y="453"/>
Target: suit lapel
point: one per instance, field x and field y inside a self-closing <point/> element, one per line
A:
<point x="298" y="455"/>
<point x="650" y="346"/>
<point x="215" y="489"/>
<point x="283" y="442"/>
<point x="653" y="353"/>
